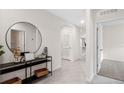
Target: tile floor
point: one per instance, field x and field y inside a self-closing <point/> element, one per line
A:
<point x="70" y="73"/>
<point x="73" y="73"/>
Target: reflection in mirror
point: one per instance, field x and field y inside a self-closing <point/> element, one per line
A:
<point x="17" y="40"/>
<point x="23" y="37"/>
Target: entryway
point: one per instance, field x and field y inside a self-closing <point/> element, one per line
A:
<point x="110" y="49"/>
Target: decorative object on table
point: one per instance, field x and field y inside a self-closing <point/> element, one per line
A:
<point x="22" y="59"/>
<point x="17" y="54"/>
<point x="41" y="56"/>
<point x="29" y="56"/>
<point x="1" y="51"/>
<point x="44" y="53"/>
<point x="15" y="80"/>
<point x="41" y="72"/>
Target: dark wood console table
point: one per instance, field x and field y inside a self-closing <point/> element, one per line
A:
<point x="14" y="66"/>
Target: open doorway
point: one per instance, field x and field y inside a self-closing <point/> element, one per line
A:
<point x="70" y="43"/>
<point x="73" y="43"/>
<point x="110" y="49"/>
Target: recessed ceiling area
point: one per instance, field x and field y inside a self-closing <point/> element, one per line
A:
<point x="73" y="16"/>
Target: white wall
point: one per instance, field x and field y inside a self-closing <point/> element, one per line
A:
<point x="76" y="44"/>
<point x="48" y="24"/>
<point x="90" y="47"/>
<point x="113" y="41"/>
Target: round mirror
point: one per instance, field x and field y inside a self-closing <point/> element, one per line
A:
<point x="23" y="37"/>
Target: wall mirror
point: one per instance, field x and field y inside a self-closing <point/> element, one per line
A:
<point x="23" y="37"/>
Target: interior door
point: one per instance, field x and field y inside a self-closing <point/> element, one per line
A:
<point x="66" y="47"/>
<point x="99" y="46"/>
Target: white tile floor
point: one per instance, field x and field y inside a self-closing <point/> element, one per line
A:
<point x="70" y="73"/>
<point x="73" y="73"/>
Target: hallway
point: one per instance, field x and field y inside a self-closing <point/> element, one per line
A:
<point x="64" y="75"/>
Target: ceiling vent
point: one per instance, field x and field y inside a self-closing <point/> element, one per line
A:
<point x="109" y="14"/>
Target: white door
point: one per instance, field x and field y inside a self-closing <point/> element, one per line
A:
<point x="66" y="47"/>
<point x="99" y="46"/>
<point x="66" y="37"/>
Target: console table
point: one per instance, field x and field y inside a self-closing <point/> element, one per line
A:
<point x="14" y="66"/>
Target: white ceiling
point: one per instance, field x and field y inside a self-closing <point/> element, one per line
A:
<point x="73" y="16"/>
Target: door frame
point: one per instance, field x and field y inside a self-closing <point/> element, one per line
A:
<point x="96" y="28"/>
<point x="98" y="46"/>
